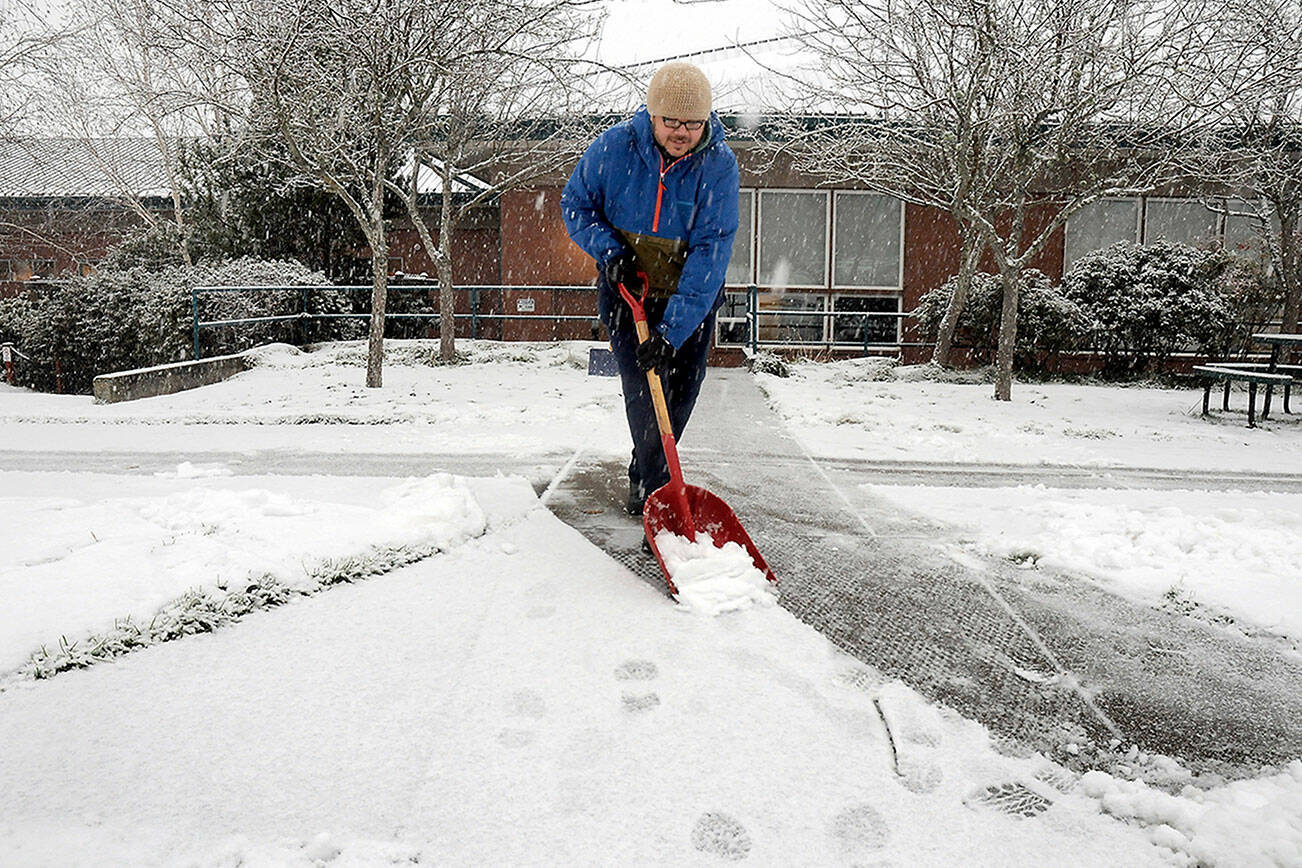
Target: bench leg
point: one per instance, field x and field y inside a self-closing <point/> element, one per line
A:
<point x="1225" y="402"/>
<point x="1207" y="395"/>
<point x="1252" y="403"/>
<point x="1265" y="404"/>
<point x="1287" y="388"/>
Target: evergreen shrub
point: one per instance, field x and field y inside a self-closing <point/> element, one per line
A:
<point x="1147" y="302"/>
<point x="136" y="312"/>
<point x="1047" y="322"/>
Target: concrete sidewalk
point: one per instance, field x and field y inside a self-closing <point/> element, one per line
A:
<point x="1052" y="662"/>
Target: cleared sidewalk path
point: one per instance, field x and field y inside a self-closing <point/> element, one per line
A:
<point x="1052" y="662"/>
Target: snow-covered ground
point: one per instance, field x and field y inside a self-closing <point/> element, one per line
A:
<point x="519" y="698"/>
<point x="864" y="409"/>
<point x="1236" y="552"/>
<point x="507" y="398"/>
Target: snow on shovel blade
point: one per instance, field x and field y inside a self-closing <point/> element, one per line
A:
<point x="709" y="514"/>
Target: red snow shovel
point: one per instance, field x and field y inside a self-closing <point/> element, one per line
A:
<point x="675" y="506"/>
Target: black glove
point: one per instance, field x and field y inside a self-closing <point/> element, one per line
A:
<point x="654" y="352"/>
<point x="622" y="268"/>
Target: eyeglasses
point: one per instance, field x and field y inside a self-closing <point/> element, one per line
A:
<point x="675" y="123"/>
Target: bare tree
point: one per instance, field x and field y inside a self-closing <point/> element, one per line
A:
<point x="29" y="43"/>
<point x="1254" y="65"/>
<point x="499" y="114"/>
<point x="1009" y="114"/>
<point x="352" y="90"/>
<point x="115" y="81"/>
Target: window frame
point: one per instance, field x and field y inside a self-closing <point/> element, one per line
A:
<point x="827" y="231"/>
<point x="899" y="265"/>
<point x="1137" y="238"/>
<point x="751" y="232"/>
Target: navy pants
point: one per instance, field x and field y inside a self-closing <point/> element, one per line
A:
<point x="681" y="380"/>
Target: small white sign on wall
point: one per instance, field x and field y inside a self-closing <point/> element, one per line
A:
<point x="524" y="305"/>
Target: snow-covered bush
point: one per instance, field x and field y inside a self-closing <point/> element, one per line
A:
<point x="221" y="306"/>
<point x="112" y="320"/>
<point x="1047" y="323"/>
<point x="765" y="362"/>
<point x="1255" y="299"/>
<point x="1148" y="302"/>
<point x="122" y="318"/>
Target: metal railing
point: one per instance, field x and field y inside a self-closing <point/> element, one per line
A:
<point x="757" y="319"/>
<point x="476" y="316"/>
<point x="753" y="325"/>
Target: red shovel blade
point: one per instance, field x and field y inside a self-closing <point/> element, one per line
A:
<point x="709" y="514"/>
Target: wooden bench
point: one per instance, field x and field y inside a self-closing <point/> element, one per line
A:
<point x="1225" y="372"/>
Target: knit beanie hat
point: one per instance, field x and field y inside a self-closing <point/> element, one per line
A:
<point x="679" y="90"/>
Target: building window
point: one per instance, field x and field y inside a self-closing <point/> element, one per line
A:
<point x="1182" y="221"/>
<point x="1243" y="229"/>
<point x="793" y="238"/>
<point x="1098" y="225"/>
<point x="796" y="325"/>
<point x="741" y="268"/>
<point x="854" y="317"/>
<point x="866" y="234"/>
<point x="732" y="328"/>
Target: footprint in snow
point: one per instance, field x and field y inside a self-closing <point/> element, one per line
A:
<point x="637" y="670"/>
<point x="721" y="835"/>
<point x="920" y="775"/>
<point x="527" y="703"/>
<point x="858" y="830"/>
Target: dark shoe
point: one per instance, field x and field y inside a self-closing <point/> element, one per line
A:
<point x="634" y="505"/>
<point x="646" y="546"/>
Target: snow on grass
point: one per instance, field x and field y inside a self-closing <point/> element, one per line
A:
<point x="713" y="579"/>
<point x="868" y="409"/>
<point x="1235" y="553"/>
<point x="498" y="397"/>
<point x="74" y="566"/>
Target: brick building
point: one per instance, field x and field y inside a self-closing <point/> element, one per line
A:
<point x="842" y="252"/>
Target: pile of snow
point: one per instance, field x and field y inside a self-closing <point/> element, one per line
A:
<point x="712" y="579"/>
<point x="1251" y="822"/>
<point x="75" y="566"/>
<point x="1235" y="553"/>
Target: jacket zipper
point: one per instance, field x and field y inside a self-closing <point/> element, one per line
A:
<point x="660" y="190"/>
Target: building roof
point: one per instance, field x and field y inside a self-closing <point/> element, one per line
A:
<point x="54" y="168"/>
<point x="97" y="168"/>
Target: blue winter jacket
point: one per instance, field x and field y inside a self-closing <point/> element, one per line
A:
<point x="679" y="216"/>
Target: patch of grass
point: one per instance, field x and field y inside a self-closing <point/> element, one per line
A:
<point x="200" y="611"/>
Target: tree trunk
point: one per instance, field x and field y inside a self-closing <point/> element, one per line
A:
<point x="379" y="294"/>
<point x="949" y="324"/>
<point x="1289" y="276"/>
<point x="1012" y="280"/>
<point x="447" y="298"/>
